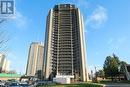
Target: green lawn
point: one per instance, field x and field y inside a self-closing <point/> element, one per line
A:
<point x="109" y="81"/>
<point x="74" y="85"/>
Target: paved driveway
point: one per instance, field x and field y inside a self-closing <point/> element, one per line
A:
<point x="117" y="85"/>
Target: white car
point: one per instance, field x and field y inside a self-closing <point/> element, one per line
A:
<point x="1" y="84"/>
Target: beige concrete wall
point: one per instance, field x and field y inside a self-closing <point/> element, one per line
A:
<point x="7" y="78"/>
<point x="35" y="59"/>
<point x="84" y="75"/>
<point x="48" y="44"/>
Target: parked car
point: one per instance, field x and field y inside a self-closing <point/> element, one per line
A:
<point x="14" y="84"/>
<point x="24" y="85"/>
<point x="2" y="84"/>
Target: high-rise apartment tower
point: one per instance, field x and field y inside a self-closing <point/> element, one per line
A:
<point x="35" y="60"/>
<point x="4" y="63"/>
<point x="65" y="43"/>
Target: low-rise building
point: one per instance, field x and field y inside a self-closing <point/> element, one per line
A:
<point x="5" y="76"/>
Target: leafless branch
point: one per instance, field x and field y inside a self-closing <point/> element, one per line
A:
<point x="3" y="37"/>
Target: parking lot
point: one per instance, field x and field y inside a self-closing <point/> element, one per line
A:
<point x="14" y="84"/>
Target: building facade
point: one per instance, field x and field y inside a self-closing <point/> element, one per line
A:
<point x="127" y="71"/>
<point x="35" y="60"/>
<point x="4" y="63"/>
<point x="64" y="53"/>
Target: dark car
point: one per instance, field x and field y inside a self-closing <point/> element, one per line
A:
<point x="14" y="84"/>
<point x="24" y="85"/>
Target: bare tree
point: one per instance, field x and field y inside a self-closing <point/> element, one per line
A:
<point x="3" y="36"/>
